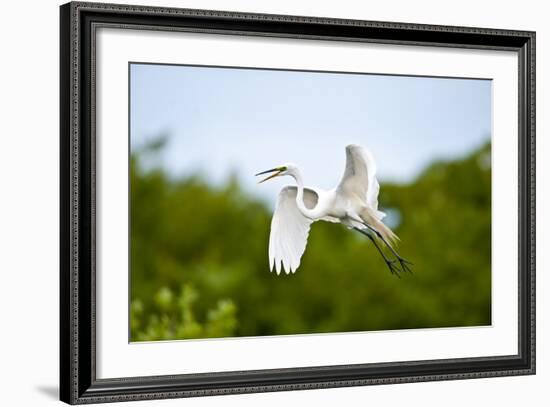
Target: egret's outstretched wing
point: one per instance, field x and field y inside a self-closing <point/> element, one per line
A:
<point x="359" y="178"/>
<point x="289" y="230"/>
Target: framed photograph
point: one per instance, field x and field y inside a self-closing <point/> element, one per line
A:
<point x="255" y="203"/>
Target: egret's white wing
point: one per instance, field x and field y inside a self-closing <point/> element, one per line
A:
<point x="359" y="178"/>
<point x="289" y="230"/>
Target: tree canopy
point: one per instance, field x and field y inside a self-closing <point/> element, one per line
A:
<point x="199" y="264"/>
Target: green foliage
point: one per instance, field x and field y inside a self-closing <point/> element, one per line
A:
<point x="199" y="265"/>
<point x="175" y="317"/>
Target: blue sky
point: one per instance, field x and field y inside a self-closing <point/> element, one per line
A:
<point x="224" y="121"/>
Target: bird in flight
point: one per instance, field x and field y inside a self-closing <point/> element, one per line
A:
<point x="353" y="203"/>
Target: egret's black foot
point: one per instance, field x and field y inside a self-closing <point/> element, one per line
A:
<point x="405" y="265"/>
<point x="392" y="265"/>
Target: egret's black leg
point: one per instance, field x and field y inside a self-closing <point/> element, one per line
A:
<point x="404" y="263"/>
<point x="389" y="263"/>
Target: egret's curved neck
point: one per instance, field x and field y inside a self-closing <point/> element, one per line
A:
<point x="300" y="196"/>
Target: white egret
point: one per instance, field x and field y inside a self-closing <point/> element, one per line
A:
<point x="353" y="203"/>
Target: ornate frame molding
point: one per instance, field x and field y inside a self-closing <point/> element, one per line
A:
<point x="78" y="380"/>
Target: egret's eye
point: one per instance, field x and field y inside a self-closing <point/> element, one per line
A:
<point x="282" y="168"/>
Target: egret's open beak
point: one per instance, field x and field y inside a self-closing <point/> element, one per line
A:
<point x="276" y="173"/>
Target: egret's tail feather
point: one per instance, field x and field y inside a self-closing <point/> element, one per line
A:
<point x="370" y="218"/>
<point x="388" y="234"/>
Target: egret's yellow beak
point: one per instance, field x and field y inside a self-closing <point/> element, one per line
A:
<point x="276" y="172"/>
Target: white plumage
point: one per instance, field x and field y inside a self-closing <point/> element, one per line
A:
<point x="353" y="202"/>
<point x="289" y="230"/>
<point x="360" y="176"/>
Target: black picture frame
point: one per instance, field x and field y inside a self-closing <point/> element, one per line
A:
<point x="78" y="382"/>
